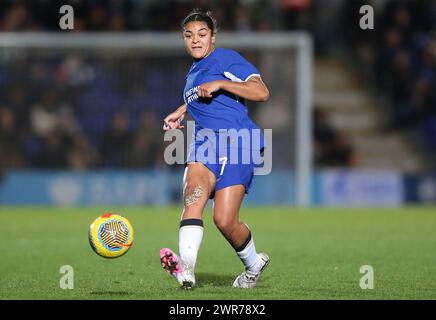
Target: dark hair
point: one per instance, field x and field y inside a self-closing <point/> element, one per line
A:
<point x="200" y="15"/>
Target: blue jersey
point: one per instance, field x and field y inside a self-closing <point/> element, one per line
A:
<point x="224" y="110"/>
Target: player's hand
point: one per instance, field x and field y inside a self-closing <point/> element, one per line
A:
<point x="173" y="121"/>
<point x="206" y="89"/>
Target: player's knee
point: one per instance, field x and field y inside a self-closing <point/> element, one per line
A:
<point x="193" y="194"/>
<point x="224" y="224"/>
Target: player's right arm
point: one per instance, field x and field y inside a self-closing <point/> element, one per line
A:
<point x="174" y="119"/>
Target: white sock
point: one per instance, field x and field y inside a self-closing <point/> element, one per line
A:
<point x="190" y="237"/>
<point x="249" y="257"/>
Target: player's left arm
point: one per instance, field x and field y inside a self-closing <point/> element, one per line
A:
<point x="253" y="89"/>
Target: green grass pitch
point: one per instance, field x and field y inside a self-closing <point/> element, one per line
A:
<point x="315" y="254"/>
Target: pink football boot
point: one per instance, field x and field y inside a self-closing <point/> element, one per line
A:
<point x="170" y="262"/>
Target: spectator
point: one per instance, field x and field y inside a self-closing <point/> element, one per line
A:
<point x="117" y="22"/>
<point x="54" y="152"/>
<point x="339" y="154"/>
<point x="82" y="154"/>
<point x="45" y="115"/>
<point x="146" y="142"/>
<point x="16" y="18"/>
<point x="10" y="152"/>
<point x="117" y="141"/>
<point x="17" y="100"/>
<point x="331" y="148"/>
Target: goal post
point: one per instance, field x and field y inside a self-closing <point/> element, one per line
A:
<point x="286" y="59"/>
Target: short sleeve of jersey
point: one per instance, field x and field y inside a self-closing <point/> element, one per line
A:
<point x="235" y="67"/>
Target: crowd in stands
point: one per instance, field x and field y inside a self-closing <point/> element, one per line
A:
<point x="115" y="15"/>
<point x="62" y="111"/>
<point x="404" y="64"/>
<point x="81" y="115"/>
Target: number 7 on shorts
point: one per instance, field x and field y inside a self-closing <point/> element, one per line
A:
<point x="224" y="161"/>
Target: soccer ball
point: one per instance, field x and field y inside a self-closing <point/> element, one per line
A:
<point x="111" y="235"/>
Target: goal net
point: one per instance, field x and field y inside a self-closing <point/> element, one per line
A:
<point x="91" y="101"/>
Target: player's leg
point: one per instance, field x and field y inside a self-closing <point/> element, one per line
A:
<point x="198" y="183"/>
<point x="226" y="217"/>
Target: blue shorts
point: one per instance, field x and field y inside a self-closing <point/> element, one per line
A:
<point x="234" y="167"/>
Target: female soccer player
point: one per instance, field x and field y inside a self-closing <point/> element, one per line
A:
<point x="216" y="86"/>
